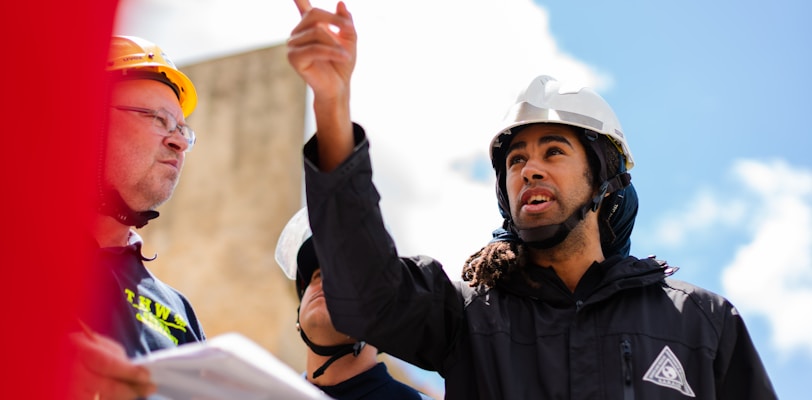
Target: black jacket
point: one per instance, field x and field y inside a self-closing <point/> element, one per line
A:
<point x="627" y="332"/>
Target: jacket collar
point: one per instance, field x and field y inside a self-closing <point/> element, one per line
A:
<point x="601" y="280"/>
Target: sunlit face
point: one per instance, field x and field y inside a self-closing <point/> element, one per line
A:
<point x="547" y="175"/>
<point x="141" y="164"/>
<point x="314" y="318"/>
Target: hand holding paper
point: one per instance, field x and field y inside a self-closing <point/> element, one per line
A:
<point x="229" y="367"/>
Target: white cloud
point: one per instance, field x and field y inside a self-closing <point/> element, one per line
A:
<point x="192" y="30"/>
<point x="702" y="212"/>
<point x="772" y="274"/>
<point x="432" y="82"/>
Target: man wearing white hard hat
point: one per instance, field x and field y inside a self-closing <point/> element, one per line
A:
<point x="552" y="308"/>
<point x="342" y="367"/>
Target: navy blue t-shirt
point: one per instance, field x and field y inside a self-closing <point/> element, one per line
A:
<point x="133" y="307"/>
<point x="375" y="383"/>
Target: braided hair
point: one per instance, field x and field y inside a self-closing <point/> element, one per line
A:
<point x="489" y="264"/>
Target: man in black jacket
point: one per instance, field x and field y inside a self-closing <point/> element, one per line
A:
<point x="548" y="309"/>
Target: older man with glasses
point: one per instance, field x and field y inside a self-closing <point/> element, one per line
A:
<point x="143" y="147"/>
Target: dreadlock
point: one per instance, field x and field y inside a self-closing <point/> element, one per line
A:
<point x="492" y="262"/>
<point x="500" y="258"/>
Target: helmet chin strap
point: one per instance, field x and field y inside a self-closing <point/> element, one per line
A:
<point x="334" y="352"/>
<point x="548" y="236"/>
<point x="111" y="204"/>
<point x="545" y="237"/>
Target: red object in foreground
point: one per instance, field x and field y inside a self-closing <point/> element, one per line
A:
<point x="52" y="86"/>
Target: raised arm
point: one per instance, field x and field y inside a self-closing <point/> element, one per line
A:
<point x="322" y="50"/>
<point x="406" y="307"/>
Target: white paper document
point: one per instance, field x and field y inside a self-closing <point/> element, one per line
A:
<point x="230" y="367"/>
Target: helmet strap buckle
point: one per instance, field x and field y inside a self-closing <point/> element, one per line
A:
<point x="598" y="199"/>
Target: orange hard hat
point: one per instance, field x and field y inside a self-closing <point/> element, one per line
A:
<point x="130" y="54"/>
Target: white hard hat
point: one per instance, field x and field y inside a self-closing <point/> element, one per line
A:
<point x="546" y="101"/>
<point x="295" y="233"/>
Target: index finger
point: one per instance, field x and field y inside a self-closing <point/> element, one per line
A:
<point x="303" y="6"/>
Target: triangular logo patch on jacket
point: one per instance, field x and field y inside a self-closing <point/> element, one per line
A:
<point x="666" y="371"/>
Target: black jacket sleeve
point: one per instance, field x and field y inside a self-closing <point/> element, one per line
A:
<point x="406" y="307"/>
<point x="740" y="372"/>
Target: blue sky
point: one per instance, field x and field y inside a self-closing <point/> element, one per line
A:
<point x="700" y="84"/>
<point x="712" y="96"/>
<point x="702" y="87"/>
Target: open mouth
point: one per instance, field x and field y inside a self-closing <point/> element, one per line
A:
<point x="537" y="199"/>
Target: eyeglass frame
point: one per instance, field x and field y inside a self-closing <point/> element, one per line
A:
<point x="185" y="130"/>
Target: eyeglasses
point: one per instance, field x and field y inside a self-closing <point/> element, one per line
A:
<point x="164" y="120"/>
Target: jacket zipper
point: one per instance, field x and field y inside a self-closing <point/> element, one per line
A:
<point x="626" y="361"/>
